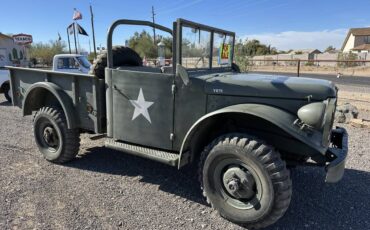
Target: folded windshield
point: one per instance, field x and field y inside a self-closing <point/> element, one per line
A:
<point x="195" y="48"/>
<point x="205" y="47"/>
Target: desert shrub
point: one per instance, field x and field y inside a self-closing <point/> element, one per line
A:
<point x="342" y="57"/>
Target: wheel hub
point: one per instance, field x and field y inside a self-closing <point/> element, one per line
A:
<point x="50" y="137"/>
<point x="239" y="183"/>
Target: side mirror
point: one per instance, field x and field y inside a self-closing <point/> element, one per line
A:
<point x="182" y="73"/>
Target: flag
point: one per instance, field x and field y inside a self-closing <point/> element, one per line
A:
<point x="70" y="29"/>
<point x="59" y="37"/>
<point x="81" y="30"/>
<point x="77" y="15"/>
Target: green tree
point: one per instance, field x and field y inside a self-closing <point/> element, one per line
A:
<point x="255" y="47"/>
<point x="330" y="49"/>
<point x="247" y="49"/>
<point x="143" y="44"/>
<point x="284" y="52"/>
<point x="343" y="57"/>
<point x="44" y="52"/>
<point x="20" y="55"/>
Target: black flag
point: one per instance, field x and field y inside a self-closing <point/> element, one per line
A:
<point x="81" y="30"/>
<point x="70" y="29"/>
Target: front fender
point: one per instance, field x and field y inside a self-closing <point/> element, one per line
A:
<point x="64" y="100"/>
<point x="276" y="116"/>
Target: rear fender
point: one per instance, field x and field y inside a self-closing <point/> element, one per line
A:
<point x="30" y="101"/>
<point x="282" y="119"/>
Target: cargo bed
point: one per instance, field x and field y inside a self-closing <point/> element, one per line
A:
<point x="83" y="95"/>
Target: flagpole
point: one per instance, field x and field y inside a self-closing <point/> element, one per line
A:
<point x="74" y="34"/>
<point x="89" y="46"/>
<point x="93" y="31"/>
<point x="69" y="43"/>
<point x="78" y="41"/>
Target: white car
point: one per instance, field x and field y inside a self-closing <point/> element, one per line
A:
<point x="4" y="84"/>
<point x="71" y="63"/>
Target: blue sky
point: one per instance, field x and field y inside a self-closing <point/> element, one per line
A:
<point x="285" y="24"/>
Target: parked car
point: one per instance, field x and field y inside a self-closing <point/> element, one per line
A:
<point x="5" y="85"/>
<point x="71" y="63"/>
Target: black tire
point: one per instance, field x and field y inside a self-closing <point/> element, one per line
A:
<point x="233" y="158"/>
<point x="7" y="93"/>
<point x="122" y="56"/>
<point x="56" y="142"/>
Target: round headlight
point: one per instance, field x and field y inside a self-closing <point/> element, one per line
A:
<point x="312" y="114"/>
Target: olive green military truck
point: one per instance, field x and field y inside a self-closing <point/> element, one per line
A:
<point x="241" y="130"/>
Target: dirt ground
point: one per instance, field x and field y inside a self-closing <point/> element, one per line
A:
<point x="107" y="189"/>
<point x="357" y="96"/>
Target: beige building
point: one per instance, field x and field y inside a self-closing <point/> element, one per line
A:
<point x="357" y="41"/>
<point x="11" y="53"/>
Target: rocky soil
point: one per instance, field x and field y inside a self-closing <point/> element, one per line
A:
<point x="106" y="189"/>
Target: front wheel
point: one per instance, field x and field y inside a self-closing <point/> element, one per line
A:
<point x="245" y="180"/>
<point x="55" y="141"/>
<point x="7" y="93"/>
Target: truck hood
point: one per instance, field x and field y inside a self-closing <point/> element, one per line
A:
<point x="273" y="86"/>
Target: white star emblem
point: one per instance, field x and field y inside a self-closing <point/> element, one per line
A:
<point x="141" y="106"/>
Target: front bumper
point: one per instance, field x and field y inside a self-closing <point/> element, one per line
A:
<point x="338" y="154"/>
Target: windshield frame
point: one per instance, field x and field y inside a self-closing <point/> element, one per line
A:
<point x="185" y="23"/>
<point x="82" y="60"/>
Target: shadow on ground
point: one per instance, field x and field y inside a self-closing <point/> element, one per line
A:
<point x="5" y="103"/>
<point x="315" y="204"/>
<point x="179" y="182"/>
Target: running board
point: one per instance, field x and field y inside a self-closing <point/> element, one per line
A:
<point x="153" y="154"/>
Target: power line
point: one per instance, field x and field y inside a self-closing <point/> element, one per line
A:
<point x="180" y="6"/>
<point x="169" y="5"/>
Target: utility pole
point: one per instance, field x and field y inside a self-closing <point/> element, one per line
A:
<point x="153" y="18"/>
<point x="93" y="32"/>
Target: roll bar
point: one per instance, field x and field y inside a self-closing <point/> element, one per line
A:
<point x="127" y="22"/>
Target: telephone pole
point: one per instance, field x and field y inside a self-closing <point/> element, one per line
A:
<point x="153" y="18"/>
<point x="93" y="32"/>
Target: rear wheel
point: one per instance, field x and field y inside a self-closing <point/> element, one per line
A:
<point x="55" y="141"/>
<point x="245" y="180"/>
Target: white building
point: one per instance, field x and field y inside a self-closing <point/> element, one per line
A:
<point x="357" y="41"/>
<point x="11" y="53"/>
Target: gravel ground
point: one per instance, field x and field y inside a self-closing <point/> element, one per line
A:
<point x="357" y="96"/>
<point x="106" y="189"/>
